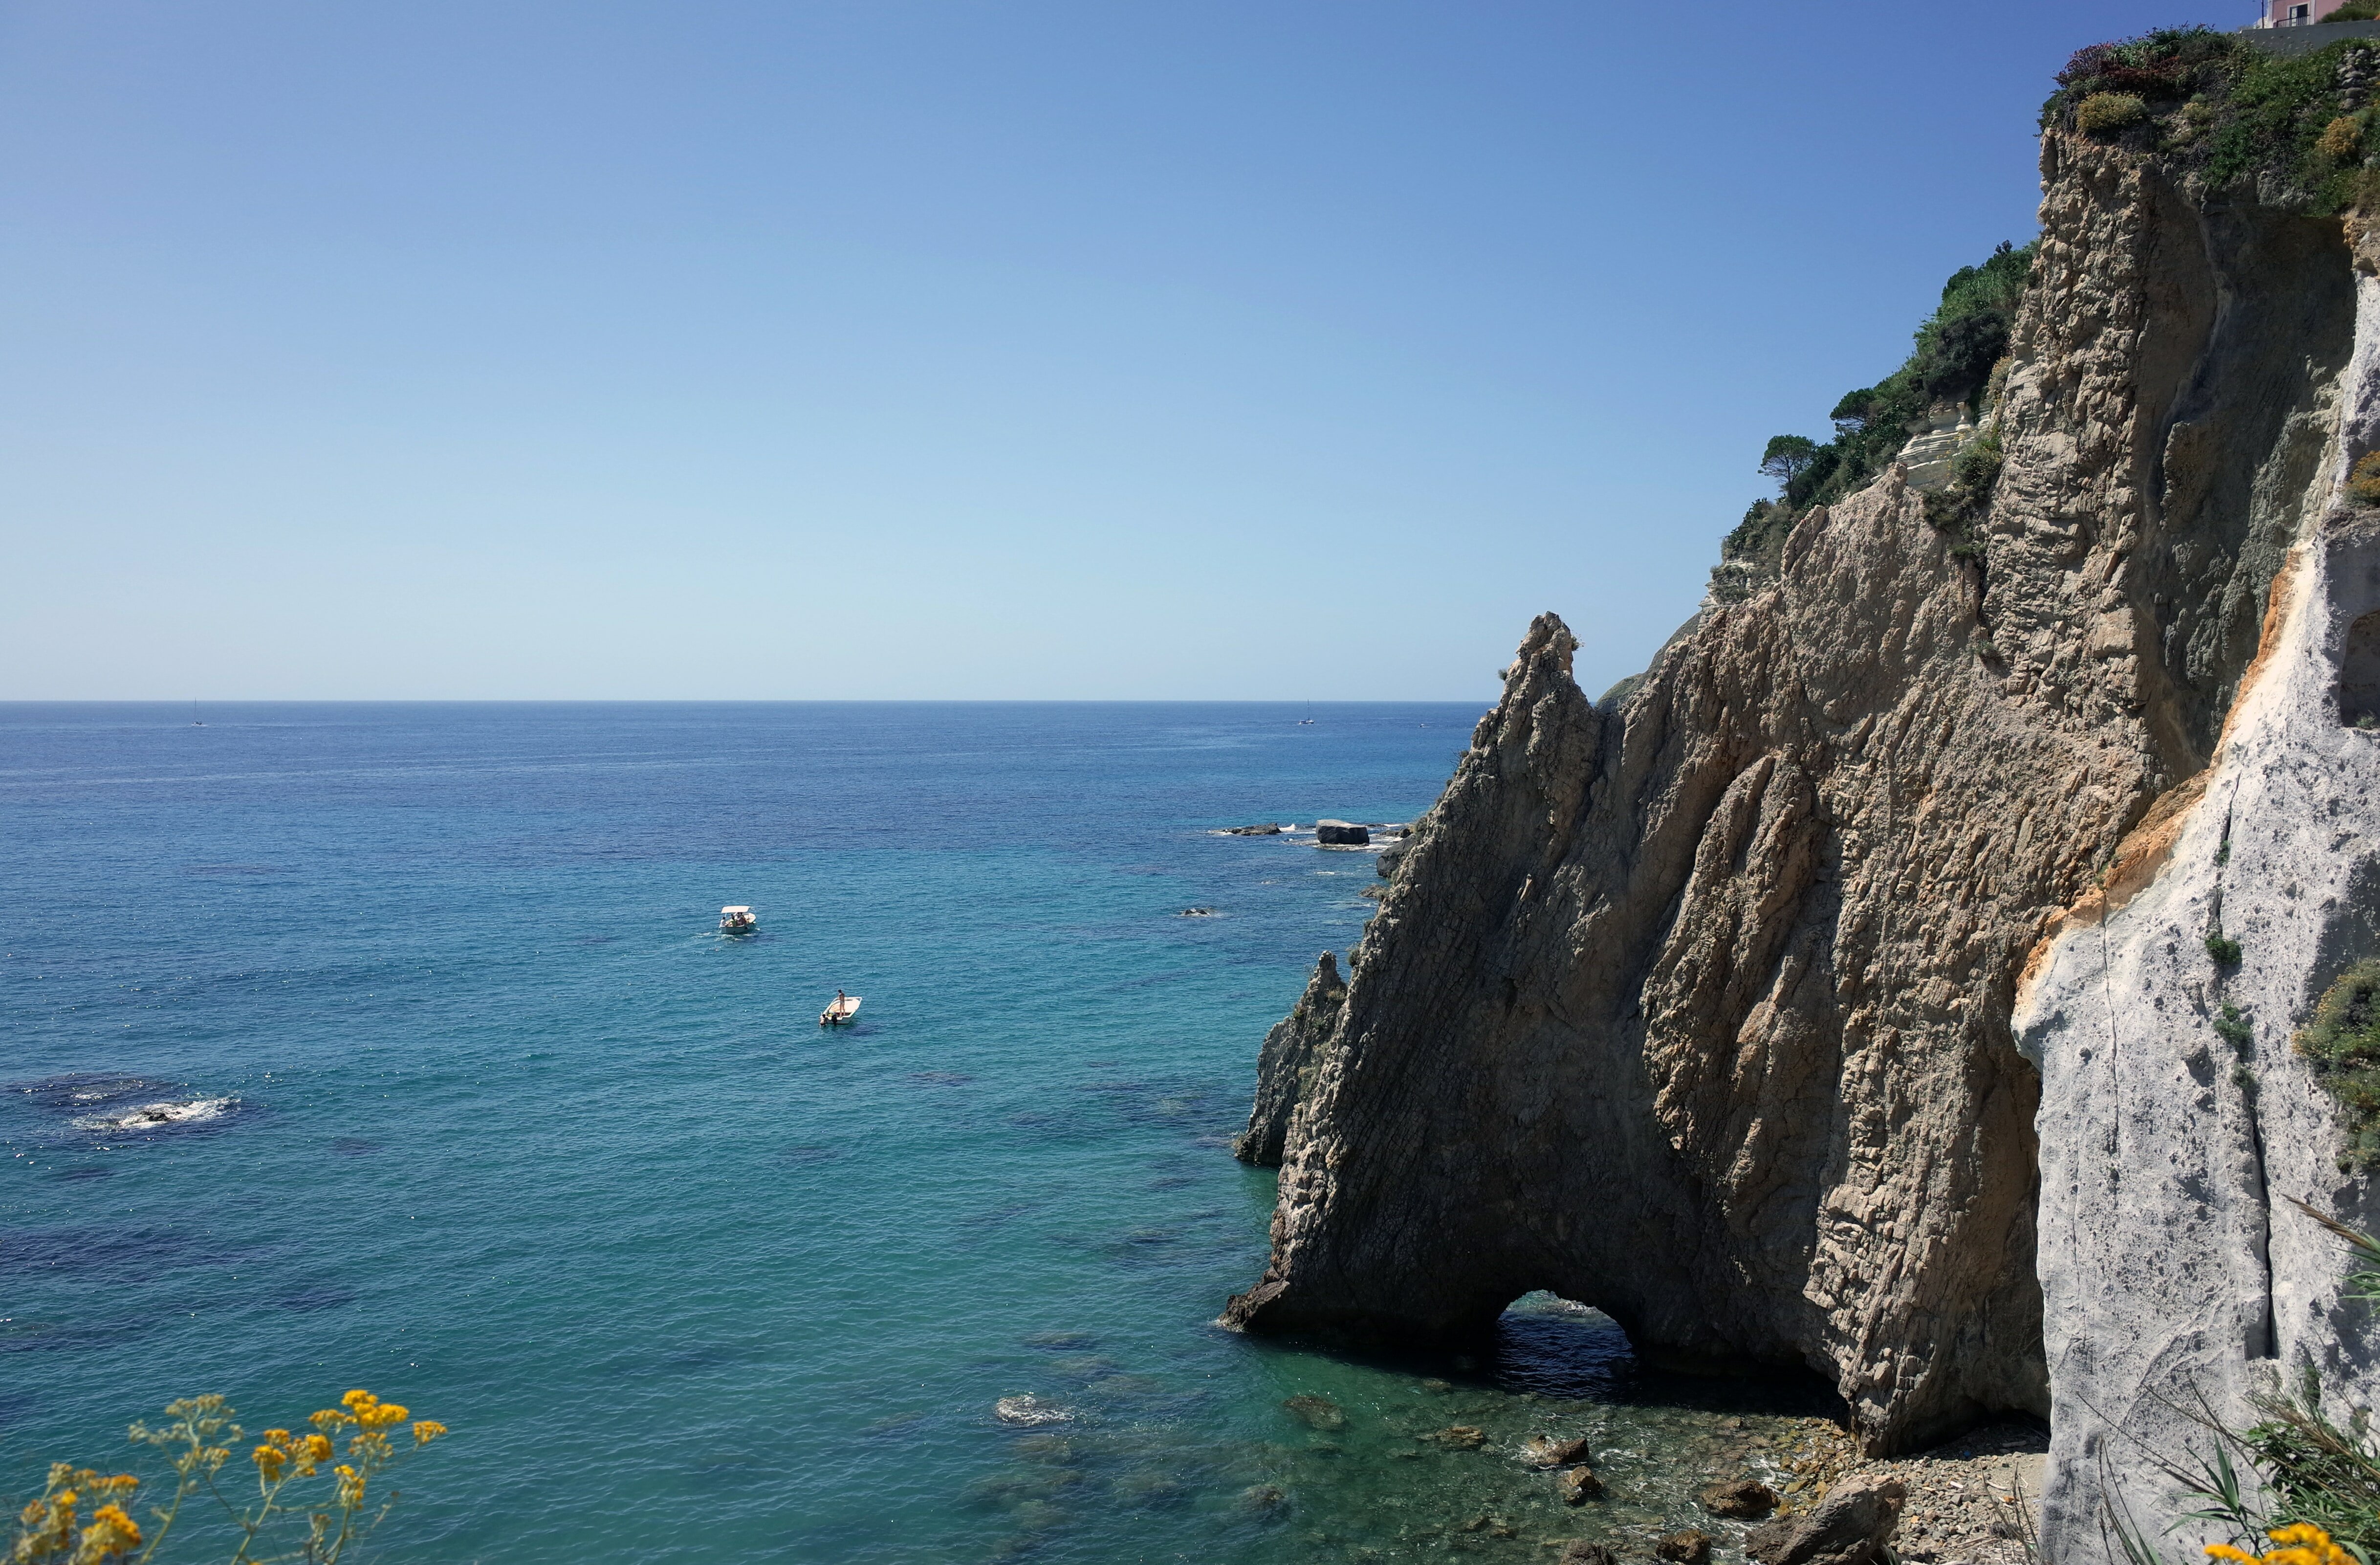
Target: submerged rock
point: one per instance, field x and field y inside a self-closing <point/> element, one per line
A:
<point x="1029" y="1410"/>
<point x="1318" y="1413"/>
<point x="1267" y="829"/>
<point x="1150" y="1491"/>
<point x="1582" y="1552"/>
<point x="1460" y="1436"/>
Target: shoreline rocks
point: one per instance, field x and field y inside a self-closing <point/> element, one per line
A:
<point x="1850" y="1526"/>
<point x="1746" y="1499"/>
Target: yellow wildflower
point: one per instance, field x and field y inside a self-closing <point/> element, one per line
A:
<point x="357" y="1400"/>
<point x="270" y="1461"/>
<point x="2300" y="1544"/>
<point x="426" y="1430"/>
<point x="351" y="1486"/>
<point x="110" y="1532"/>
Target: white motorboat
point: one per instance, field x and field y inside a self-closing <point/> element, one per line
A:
<point x="839" y="1010"/>
<point x="737" y="921"/>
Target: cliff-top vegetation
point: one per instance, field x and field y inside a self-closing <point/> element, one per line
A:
<point x="2221" y="111"/>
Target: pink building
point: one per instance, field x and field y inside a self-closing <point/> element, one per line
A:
<point x="2297" y="13"/>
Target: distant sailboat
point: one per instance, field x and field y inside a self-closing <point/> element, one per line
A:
<point x="194" y="716"/>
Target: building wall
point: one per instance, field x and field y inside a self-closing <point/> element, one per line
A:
<point x="2278" y="12"/>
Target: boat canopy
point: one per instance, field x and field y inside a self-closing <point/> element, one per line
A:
<point x="726" y="911"/>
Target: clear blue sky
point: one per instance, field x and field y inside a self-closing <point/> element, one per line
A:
<point x="880" y="349"/>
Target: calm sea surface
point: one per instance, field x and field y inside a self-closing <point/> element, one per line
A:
<point x="470" y="1104"/>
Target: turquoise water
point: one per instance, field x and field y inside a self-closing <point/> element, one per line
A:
<point x="477" y="1110"/>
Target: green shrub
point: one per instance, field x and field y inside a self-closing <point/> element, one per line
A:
<point x="1978" y="463"/>
<point x="2229" y="111"/>
<point x="2103" y="112"/>
<point x="2275" y="112"/>
<point x="1954" y="356"/>
<point x="2355" y="11"/>
<point x="2168" y="63"/>
<point x="2364" y="481"/>
<point x="2226" y="952"/>
<point x="2342" y="1044"/>
<point x="2232" y="1025"/>
<point x="1759" y="538"/>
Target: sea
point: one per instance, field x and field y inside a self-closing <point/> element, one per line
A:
<point x="397" y="1047"/>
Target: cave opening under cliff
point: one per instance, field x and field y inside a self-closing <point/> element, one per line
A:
<point x="1551" y="1346"/>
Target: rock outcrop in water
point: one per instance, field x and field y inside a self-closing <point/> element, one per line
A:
<point x="1838" y="996"/>
<point x="1286" y="1065"/>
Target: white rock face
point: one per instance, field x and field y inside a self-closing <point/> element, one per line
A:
<point x="1927" y="457"/>
<point x="2171" y="1265"/>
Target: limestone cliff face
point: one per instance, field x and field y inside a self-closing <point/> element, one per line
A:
<point x="2175" y="1266"/>
<point x="1701" y="1007"/>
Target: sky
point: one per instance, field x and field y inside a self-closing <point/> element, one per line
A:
<point x="891" y="351"/>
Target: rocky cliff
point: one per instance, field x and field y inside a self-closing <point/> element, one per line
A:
<point x="1836" y="996"/>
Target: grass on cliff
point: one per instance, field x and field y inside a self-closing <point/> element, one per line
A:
<point x="2289" y="131"/>
<point x="2342" y="1044"/>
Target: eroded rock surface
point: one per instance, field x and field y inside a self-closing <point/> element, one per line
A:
<point x="1698" y="1007"/>
<point x="1286" y="1065"/>
<point x="1852" y="1527"/>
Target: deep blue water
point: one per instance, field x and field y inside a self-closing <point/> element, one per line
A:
<point x="501" y="1128"/>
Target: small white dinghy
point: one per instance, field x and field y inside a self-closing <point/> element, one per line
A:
<point x="737" y="921"/>
<point x="840" y="1010"/>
